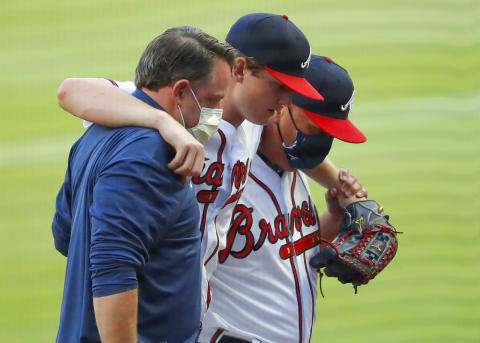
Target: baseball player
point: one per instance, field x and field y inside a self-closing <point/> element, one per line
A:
<point x="264" y="289"/>
<point x="263" y="77"/>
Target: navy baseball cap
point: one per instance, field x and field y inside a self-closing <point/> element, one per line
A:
<point x="277" y="44"/>
<point x="331" y="115"/>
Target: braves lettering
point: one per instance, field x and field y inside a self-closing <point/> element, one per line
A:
<point x="212" y="177"/>
<point x="239" y="173"/>
<point x="280" y="231"/>
<point x="304" y="214"/>
<point x="300" y="216"/>
<point x="241" y="224"/>
<point x="239" y="178"/>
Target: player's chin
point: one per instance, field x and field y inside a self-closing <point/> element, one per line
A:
<point x="266" y="117"/>
<point x="280" y="159"/>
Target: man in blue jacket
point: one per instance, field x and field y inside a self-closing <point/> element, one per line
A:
<point x="126" y="223"/>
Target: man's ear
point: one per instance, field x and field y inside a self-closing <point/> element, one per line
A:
<point x="180" y="89"/>
<point x="239" y="69"/>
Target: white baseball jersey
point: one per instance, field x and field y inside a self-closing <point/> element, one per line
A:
<point x="229" y="155"/>
<point x="228" y="159"/>
<point x="263" y="288"/>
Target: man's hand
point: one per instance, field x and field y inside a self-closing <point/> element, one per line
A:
<point x="337" y="202"/>
<point x="350" y="185"/>
<point x="351" y="190"/>
<point x="190" y="154"/>
<point x="116" y="317"/>
<point x="327" y="175"/>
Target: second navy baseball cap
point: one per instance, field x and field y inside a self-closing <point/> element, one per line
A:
<point x="331" y="115"/>
<point x="277" y="44"/>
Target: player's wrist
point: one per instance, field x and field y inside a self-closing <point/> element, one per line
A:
<point x="160" y="120"/>
<point x="344" y="202"/>
<point x="336" y="215"/>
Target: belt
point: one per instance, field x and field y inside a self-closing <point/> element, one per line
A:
<point x="230" y="339"/>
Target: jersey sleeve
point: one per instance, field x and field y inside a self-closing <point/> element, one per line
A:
<point x="126" y="86"/>
<point x="135" y="201"/>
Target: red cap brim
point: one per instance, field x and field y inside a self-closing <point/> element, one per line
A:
<point x="297" y="84"/>
<point x="342" y="129"/>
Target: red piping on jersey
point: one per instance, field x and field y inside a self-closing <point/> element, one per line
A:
<point x="268" y="190"/>
<point x="314" y="309"/>
<point x="216" y="336"/>
<point x="113" y="82"/>
<point x="292" y="264"/>
<point x="297" y="286"/>
<point x="234" y="198"/>
<point x="209" y="295"/>
<point x="216" y="248"/>
<point x="222" y="145"/>
<point x="214" y="188"/>
<point x="299" y="298"/>
<point x="317" y="239"/>
<point x="307" y="270"/>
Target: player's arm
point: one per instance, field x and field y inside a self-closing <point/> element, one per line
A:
<point x="329" y="176"/>
<point x="116" y="317"/>
<point x="343" y="189"/>
<point x="97" y="101"/>
<point x="330" y="219"/>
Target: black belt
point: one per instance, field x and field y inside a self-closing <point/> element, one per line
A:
<point x="230" y="339"/>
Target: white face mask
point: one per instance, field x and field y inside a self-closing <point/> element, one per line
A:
<point x="207" y="123"/>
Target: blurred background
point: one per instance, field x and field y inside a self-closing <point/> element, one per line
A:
<point x="415" y="65"/>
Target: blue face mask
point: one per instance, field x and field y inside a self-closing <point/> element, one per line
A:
<point x="307" y="151"/>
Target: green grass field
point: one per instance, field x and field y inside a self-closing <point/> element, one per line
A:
<point x="415" y="65"/>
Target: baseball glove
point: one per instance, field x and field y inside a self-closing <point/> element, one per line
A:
<point x="365" y="245"/>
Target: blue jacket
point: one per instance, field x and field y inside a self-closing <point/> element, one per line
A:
<point x="125" y="221"/>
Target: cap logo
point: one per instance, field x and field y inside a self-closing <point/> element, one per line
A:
<point x="349" y="103"/>
<point x="307" y="62"/>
